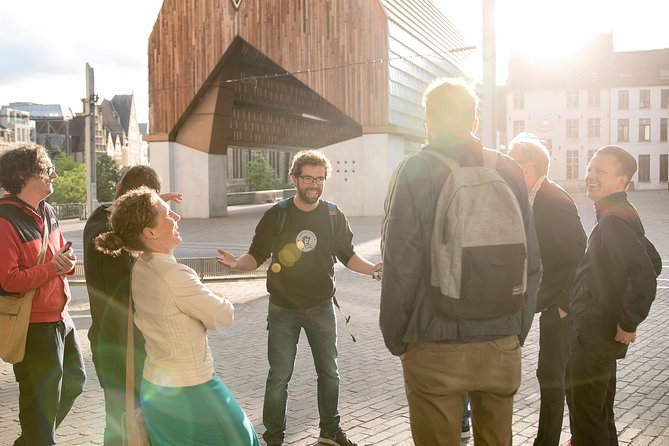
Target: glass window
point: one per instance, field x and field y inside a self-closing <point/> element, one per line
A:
<point x="593" y="98"/>
<point x="572" y="128"/>
<point x="572" y="98"/>
<point x="644" y="129"/>
<point x="664" y="98"/>
<point x="623" y="130"/>
<point x="593" y="127"/>
<point x="663" y="129"/>
<point x="572" y="164"/>
<point x="623" y="99"/>
<point x="518" y="100"/>
<point x="518" y="126"/>
<point x="644" y="99"/>
<point x="591" y="153"/>
<point x="644" y="168"/>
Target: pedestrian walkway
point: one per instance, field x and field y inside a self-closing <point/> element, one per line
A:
<point x="372" y="402"/>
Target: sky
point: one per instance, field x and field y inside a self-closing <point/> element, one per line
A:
<point x="45" y="44"/>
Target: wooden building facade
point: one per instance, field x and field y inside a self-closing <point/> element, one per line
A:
<point x="287" y="75"/>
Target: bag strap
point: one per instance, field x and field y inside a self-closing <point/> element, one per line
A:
<point x="42" y="255"/>
<point x="490" y="158"/>
<point x="45" y="242"/>
<point x="451" y="163"/>
<point x="130" y="360"/>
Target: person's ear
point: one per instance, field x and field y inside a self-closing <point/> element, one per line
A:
<point x="148" y="233"/>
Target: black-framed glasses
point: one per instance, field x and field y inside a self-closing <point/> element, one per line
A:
<point x="308" y="179"/>
<point x="50" y="170"/>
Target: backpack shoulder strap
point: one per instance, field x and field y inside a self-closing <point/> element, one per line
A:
<point x="281" y="216"/>
<point x="490" y="158"/>
<point x="451" y="163"/>
<point x="332" y="211"/>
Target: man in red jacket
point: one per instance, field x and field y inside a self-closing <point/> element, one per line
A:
<point x="52" y="374"/>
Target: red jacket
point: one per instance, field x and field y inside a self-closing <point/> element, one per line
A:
<point x="21" y="229"/>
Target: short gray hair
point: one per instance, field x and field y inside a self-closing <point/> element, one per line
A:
<point x="533" y="150"/>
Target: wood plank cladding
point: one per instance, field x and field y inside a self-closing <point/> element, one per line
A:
<point x="191" y="38"/>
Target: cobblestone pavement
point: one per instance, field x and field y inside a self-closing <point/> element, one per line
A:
<point x="372" y="402"/>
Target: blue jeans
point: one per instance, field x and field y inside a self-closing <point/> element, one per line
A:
<point x="284" y="326"/>
<point x="50" y="378"/>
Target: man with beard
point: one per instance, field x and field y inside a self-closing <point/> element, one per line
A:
<point x="303" y="235"/>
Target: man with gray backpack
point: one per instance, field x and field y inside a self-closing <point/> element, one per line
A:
<point x="461" y="274"/>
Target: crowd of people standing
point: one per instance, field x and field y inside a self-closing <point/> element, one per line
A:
<point x="592" y="294"/>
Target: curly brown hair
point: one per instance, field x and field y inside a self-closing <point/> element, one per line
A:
<point x="309" y="158"/>
<point x="130" y="214"/>
<point x="20" y="164"/>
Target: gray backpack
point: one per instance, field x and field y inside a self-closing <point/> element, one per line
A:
<point x="478" y="248"/>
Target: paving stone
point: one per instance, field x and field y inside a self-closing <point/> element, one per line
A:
<point x="372" y="401"/>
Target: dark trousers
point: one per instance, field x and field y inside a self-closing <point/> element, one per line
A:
<point x="554" y="348"/>
<point x="50" y="378"/>
<point x="592" y="374"/>
<point x="110" y="363"/>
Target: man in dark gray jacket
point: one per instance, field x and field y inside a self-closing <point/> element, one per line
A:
<point x="444" y="356"/>
<point x="614" y="288"/>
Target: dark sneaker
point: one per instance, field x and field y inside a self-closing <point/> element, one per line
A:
<point x="338" y="439"/>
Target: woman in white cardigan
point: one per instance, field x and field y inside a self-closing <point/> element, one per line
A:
<point x="184" y="403"/>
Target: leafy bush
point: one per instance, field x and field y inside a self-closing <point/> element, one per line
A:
<point x="260" y="174"/>
<point x="70" y="187"/>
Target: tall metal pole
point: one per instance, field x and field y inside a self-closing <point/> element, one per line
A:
<point x="89" y="137"/>
<point x="489" y="50"/>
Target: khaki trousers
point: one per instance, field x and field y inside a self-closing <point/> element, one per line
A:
<point x="436" y="376"/>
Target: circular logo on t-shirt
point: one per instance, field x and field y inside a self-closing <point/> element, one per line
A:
<point x="306" y="240"/>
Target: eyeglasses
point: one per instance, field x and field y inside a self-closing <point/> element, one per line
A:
<point x="307" y="179"/>
<point x="50" y="170"/>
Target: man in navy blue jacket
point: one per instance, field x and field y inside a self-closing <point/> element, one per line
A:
<point x="562" y="244"/>
<point x="614" y="288"/>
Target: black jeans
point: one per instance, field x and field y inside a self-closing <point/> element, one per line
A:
<point x="50" y="378"/>
<point x="554" y="348"/>
<point x="110" y="364"/>
<point x="592" y="374"/>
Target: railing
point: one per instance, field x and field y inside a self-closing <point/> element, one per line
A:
<point x="69" y="211"/>
<point x="206" y="267"/>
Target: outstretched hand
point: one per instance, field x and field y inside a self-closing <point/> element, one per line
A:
<point x="171" y="196"/>
<point x="226" y="259"/>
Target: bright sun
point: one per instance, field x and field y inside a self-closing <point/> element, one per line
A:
<point x="548" y="32"/>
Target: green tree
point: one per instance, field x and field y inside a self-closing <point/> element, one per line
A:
<point x="107" y="174"/>
<point x="64" y="163"/>
<point x="70" y="187"/>
<point x="260" y="174"/>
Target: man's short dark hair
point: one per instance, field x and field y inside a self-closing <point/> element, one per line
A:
<point x="21" y="163"/>
<point x="450" y="103"/>
<point x="138" y="176"/>
<point x="626" y="163"/>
